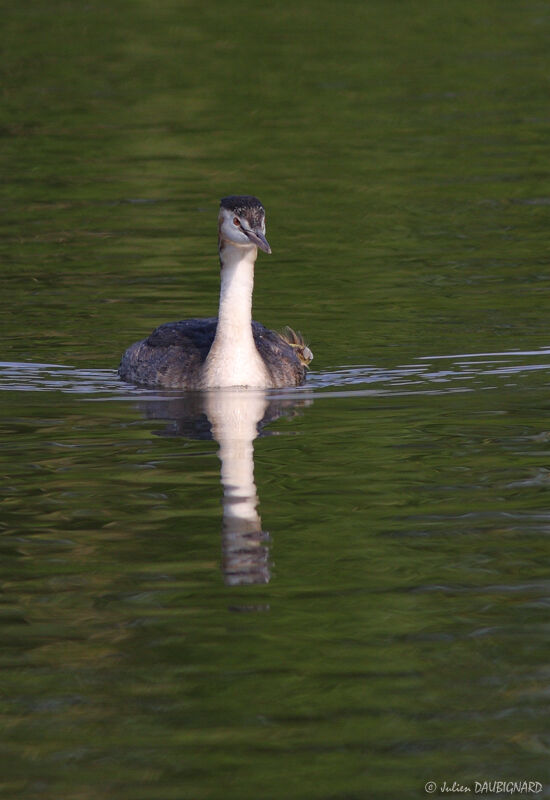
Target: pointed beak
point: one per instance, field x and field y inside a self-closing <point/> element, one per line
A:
<point x="257" y="238"/>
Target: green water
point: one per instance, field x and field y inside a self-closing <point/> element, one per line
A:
<point x="384" y="623"/>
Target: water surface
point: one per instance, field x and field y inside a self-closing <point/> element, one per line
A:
<point x="333" y="592"/>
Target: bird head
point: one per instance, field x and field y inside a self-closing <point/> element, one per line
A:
<point x="241" y="222"/>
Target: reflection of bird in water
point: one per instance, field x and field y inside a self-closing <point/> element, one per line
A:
<point x="234" y="422"/>
<point x="234" y="418"/>
<point x="230" y="350"/>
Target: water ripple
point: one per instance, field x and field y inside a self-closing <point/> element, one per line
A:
<point x="461" y="373"/>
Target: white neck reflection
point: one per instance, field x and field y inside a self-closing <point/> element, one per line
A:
<point x="234" y="416"/>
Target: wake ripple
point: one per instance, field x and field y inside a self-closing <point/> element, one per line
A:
<point x="439" y="374"/>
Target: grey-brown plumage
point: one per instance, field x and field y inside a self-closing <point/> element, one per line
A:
<point x="174" y="354"/>
<point x="231" y="349"/>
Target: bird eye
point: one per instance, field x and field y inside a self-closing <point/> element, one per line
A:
<point x="236" y="221"/>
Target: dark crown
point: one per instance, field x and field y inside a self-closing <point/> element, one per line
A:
<point x="241" y="203"/>
<point x="245" y="205"/>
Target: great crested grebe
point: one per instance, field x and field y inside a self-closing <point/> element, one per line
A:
<point x="231" y="349"/>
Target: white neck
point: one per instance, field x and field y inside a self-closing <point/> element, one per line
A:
<point x="233" y="359"/>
